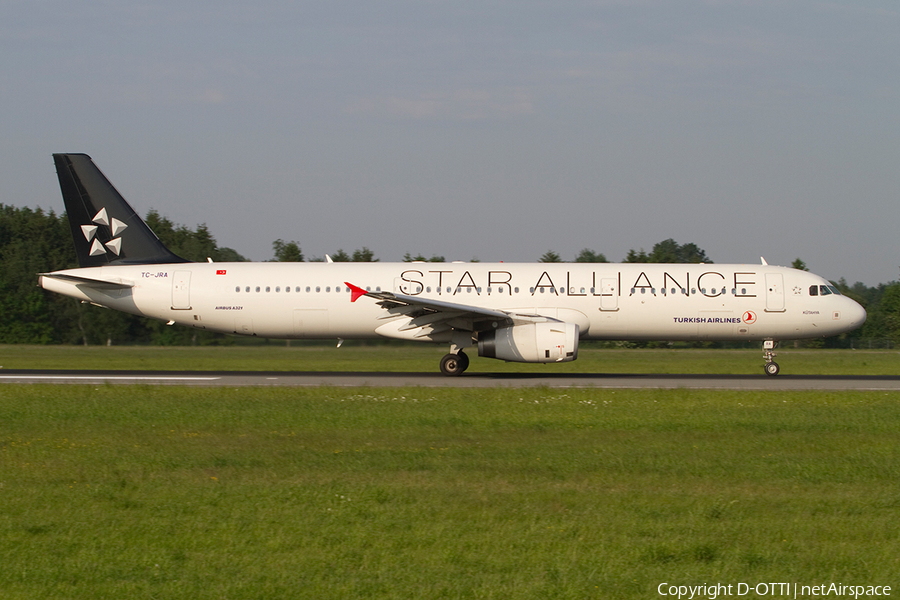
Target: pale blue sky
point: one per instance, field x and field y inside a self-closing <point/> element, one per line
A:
<point x="495" y="130"/>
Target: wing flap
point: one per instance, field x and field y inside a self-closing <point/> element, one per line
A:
<point x="430" y="316"/>
<point x="398" y="300"/>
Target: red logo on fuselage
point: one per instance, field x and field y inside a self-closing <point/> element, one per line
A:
<point x="749" y="317"/>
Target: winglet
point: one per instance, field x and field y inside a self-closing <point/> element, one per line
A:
<point x="355" y="291"/>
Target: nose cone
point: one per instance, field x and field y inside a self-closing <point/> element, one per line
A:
<point x="854" y="315"/>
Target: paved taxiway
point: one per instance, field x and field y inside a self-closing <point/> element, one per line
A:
<point x="468" y="380"/>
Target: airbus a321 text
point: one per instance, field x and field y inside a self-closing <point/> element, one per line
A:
<point x="510" y="311"/>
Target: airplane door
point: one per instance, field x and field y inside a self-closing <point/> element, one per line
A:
<point x="181" y="291"/>
<point x="774" y="292"/>
<point x="608" y="294"/>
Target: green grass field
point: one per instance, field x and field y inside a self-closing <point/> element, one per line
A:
<point x="425" y="357"/>
<point x="168" y="492"/>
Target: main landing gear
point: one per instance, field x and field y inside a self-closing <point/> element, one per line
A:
<point x="771" y="367"/>
<point x="454" y="364"/>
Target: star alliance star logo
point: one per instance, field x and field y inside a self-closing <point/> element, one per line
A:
<point x="115" y="228"/>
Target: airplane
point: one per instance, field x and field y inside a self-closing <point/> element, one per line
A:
<point x="518" y="312"/>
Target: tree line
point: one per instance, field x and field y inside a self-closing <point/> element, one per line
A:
<point x="33" y="241"/>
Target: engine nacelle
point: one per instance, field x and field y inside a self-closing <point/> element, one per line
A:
<point x="531" y="342"/>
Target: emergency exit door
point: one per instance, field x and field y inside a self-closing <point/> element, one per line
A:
<point x="181" y="290"/>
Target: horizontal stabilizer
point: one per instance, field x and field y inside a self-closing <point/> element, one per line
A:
<point x="97" y="284"/>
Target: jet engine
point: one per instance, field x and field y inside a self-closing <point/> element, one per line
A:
<point x="546" y="342"/>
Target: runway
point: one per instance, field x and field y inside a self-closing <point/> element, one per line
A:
<point x="468" y="380"/>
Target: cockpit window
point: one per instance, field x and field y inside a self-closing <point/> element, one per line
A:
<point x="823" y="290"/>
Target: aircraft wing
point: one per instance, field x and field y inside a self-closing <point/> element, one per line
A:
<point x="434" y="316"/>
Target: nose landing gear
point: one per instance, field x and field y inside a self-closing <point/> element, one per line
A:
<point x="771" y="367"/>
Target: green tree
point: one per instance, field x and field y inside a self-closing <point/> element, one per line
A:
<point x="669" y="251"/>
<point x="550" y="257"/>
<point x="799" y="265"/>
<point x="33" y="242"/>
<point x="363" y="255"/>
<point x="637" y="257"/>
<point x="194" y="245"/>
<point x="890" y="311"/>
<point x="589" y="256"/>
<point x="421" y="258"/>
<point x="287" y="251"/>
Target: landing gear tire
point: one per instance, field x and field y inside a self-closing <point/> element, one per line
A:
<point x="453" y="365"/>
<point x="464" y="359"/>
<point x="772" y="368"/>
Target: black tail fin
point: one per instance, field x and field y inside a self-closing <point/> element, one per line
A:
<point x="105" y="228"/>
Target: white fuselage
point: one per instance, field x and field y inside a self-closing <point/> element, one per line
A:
<point x="606" y="301"/>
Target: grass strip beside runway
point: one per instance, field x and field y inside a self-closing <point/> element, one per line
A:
<point x="128" y="491"/>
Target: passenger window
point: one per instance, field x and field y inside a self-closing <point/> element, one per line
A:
<point x="257" y="289"/>
<point x="237" y="289"/>
<point x="247" y="289"/>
